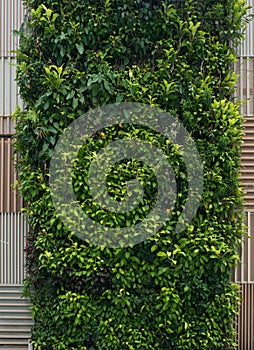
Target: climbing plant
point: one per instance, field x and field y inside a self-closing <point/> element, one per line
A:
<point x="173" y="290"/>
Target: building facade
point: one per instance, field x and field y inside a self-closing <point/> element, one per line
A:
<point x="15" y="318"/>
<point x="244" y="273"/>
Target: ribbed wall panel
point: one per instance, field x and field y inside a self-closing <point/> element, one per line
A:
<point x="10" y="200"/>
<point x="245" y="92"/>
<point x="245" y="320"/>
<point x="8" y="87"/>
<point x="246" y="49"/>
<point x="11" y="17"/>
<point x="247" y="162"/>
<point x="244" y="273"/>
<point x="245" y="85"/>
<point x="244" y="276"/>
<point x="15" y="319"/>
<point x="13" y="228"/>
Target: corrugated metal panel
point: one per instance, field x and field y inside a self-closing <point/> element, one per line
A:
<point x="246" y="49"/>
<point x="245" y="319"/>
<point x="10" y="201"/>
<point x="15" y="319"/>
<point x="244" y="276"/>
<point x="244" y="273"/>
<point x="11" y="17"/>
<point x="245" y="92"/>
<point x="244" y="68"/>
<point x="247" y="167"/>
<point x="13" y="228"/>
<point x="8" y="87"/>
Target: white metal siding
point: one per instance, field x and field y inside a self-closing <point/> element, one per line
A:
<point x="244" y="276"/>
<point x="244" y="273"/>
<point x="11" y="17"/>
<point x="245" y="91"/>
<point x="10" y="201"/>
<point x="12" y="223"/>
<point x="245" y="321"/>
<point x="8" y="86"/>
<point x="13" y="229"/>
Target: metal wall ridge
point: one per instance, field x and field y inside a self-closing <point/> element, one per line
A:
<point x="13" y="228"/>
<point x="10" y="200"/>
<point x="244" y="271"/>
<point x="244" y="277"/>
<point x="11" y="17"/>
<point x="245" y="319"/>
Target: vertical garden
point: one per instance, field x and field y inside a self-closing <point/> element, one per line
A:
<point x="172" y="290"/>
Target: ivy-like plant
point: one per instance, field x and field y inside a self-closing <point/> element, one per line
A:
<point x="172" y="291"/>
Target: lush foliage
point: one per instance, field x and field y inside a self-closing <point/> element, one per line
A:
<point x="172" y="291"/>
